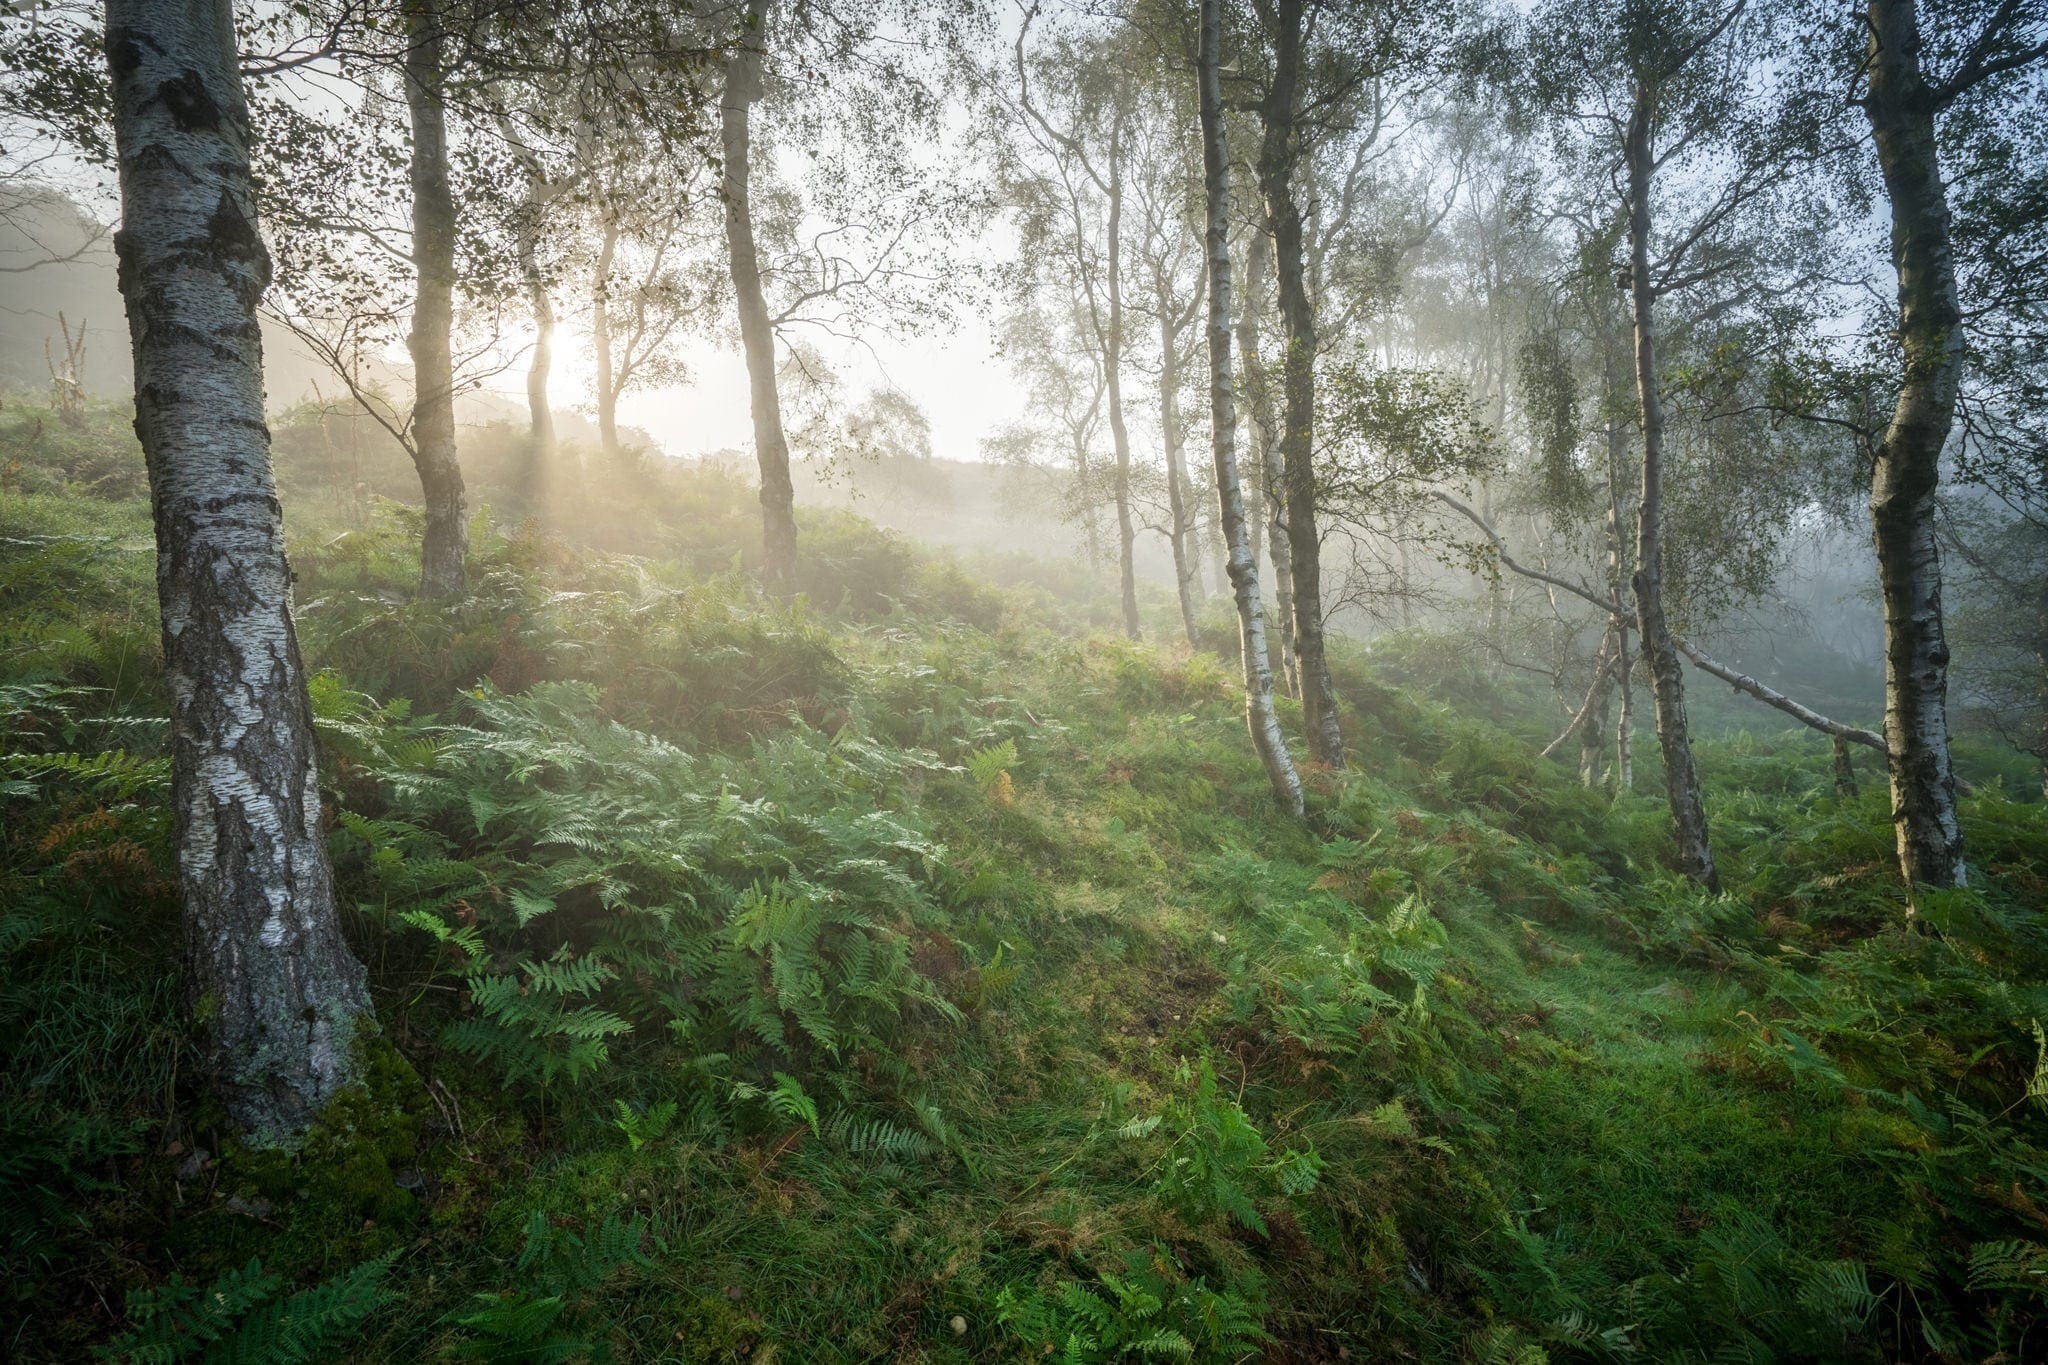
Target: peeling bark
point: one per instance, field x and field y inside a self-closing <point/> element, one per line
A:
<point x="1260" y="715"/>
<point x="444" y="548"/>
<point x="1901" y="109"/>
<point x="1660" y="655"/>
<point x="743" y="88"/>
<point x="267" y="967"/>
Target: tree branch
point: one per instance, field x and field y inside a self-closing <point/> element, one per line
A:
<point x="1741" y="682"/>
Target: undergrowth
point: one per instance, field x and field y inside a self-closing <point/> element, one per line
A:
<point x="901" y="974"/>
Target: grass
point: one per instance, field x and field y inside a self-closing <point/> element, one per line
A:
<point x="923" y="913"/>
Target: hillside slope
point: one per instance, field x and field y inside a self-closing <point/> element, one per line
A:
<point x="915" y="973"/>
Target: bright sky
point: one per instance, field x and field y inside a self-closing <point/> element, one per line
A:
<point x="958" y="380"/>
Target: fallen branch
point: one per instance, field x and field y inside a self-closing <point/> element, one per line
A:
<point x="1741" y="682"/>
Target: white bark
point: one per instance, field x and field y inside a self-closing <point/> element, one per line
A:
<point x="1906" y="474"/>
<point x="268" y="968"/>
<point x="1260" y="714"/>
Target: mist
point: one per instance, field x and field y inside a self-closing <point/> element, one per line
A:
<point x="855" y="680"/>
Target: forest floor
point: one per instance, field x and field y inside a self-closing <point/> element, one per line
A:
<point x="920" y="972"/>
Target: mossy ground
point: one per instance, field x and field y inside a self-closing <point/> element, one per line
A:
<point x="1559" y="1104"/>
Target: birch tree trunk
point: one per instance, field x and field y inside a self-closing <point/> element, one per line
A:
<point x="1660" y="655"/>
<point x="267" y="967"/>
<point x="1084" y="478"/>
<point x="601" y="334"/>
<point x="1278" y="152"/>
<point x="1266" y="429"/>
<point x="540" y="416"/>
<point x="1593" y="733"/>
<point x="1112" y="373"/>
<point x="1907" y="475"/>
<point x="1174" y="437"/>
<point x="1623" y="775"/>
<point x="444" y="548"/>
<point x="1625" y="724"/>
<point x="1260" y="715"/>
<point x="757" y="331"/>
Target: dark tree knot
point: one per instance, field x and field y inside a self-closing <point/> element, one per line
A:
<point x="191" y="107"/>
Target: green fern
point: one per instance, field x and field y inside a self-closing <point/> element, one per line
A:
<point x="239" y="1320"/>
<point x="1148" y="1311"/>
<point x="627" y="884"/>
<point x="642" y="1126"/>
<point x="113" y="775"/>
<point x="2009" y="1265"/>
<point x="557" y="1270"/>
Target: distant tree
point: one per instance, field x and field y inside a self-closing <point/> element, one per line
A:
<point x="1060" y="365"/>
<point x="1999" y="583"/>
<point x="862" y="238"/>
<point x="743" y="88"/>
<point x="889" y="425"/>
<point x="282" y="997"/>
<point x="444" y="546"/>
<point x="1071" y="107"/>
<point x="652" y="274"/>
<point x="1164" y="185"/>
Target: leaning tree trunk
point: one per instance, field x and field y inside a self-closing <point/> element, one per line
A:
<point x="268" y="970"/>
<point x="1112" y="374"/>
<point x="757" y="331"/>
<point x="1277" y="155"/>
<point x="1266" y="428"/>
<point x="1660" y="655"/>
<point x="1907" y="474"/>
<point x="1174" y="437"/>
<point x="1260" y="715"/>
<point x="444" y="548"/>
<point x="1593" y="734"/>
